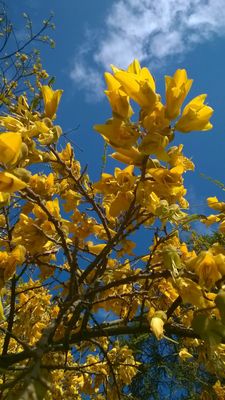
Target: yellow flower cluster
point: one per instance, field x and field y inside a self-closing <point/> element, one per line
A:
<point x="136" y="142"/>
<point x="17" y="147"/>
<point x="154" y="130"/>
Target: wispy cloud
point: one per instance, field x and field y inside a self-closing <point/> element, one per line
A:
<point x="88" y="79"/>
<point x="150" y="30"/>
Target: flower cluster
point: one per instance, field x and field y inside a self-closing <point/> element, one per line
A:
<point x="137" y="142"/>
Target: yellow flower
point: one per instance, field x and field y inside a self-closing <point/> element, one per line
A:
<point x="95" y="248"/>
<point x="146" y="197"/>
<point x="71" y="198"/>
<point x="10" y="146"/>
<point x="220" y="262"/>
<point x="132" y="156"/>
<point x="43" y="185"/>
<point x="207" y="267"/>
<point x="139" y="84"/>
<point x="154" y="143"/>
<point x="177" y="88"/>
<point x="117" y="190"/>
<point x="118" y="99"/>
<point x="10" y="123"/>
<point x="215" y="204"/>
<point x="10" y="183"/>
<point x="222" y="227"/>
<point x="125" y="178"/>
<point x="53" y="207"/>
<point x="118" y="133"/>
<point x="168" y="184"/>
<point x="157" y="324"/>
<point x="177" y="158"/>
<point x="190" y="292"/>
<point x="107" y="184"/>
<point x="171" y="259"/>
<point x="121" y="203"/>
<point x="127" y="247"/>
<point x="135" y="68"/>
<point x="18" y="254"/>
<point x="156" y="120"/>
<point x="51" y="100"/>
<point x="4" y="199"/>
<point x="184" y="354"/>
<point x="16" y="257"/>
<point x="211" y="219"/>
<point x="219" y="389"/>
<point x="195" y="116"/>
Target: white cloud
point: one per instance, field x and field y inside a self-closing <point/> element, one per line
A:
<point x="150" y="30"/>
<point x="89" y="79"/>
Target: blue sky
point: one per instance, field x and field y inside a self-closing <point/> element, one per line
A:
<point x="164" y="35"/>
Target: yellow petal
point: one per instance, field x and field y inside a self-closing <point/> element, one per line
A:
<point x="111" y="82"/>
<point x="156" y="326"/>
<point x="118" y="133"/>
<point x="177" y="88"/>
<point x="190" y="292"/>
<point x="19" y="254"/>
<point x="134" y="67"/>
<point x="157" y="323"/>
<point x="95" y="248"/>
<point x="215" y="204"/>
<point x="146" y="75"/>
<point x="10" y="146"/>
<point x="139" y="90"/>
<point x="121" y="203"/>
<point x="10" y="183"/>
<point x="184" y="354"/>
<point x="195" y="116"/>
<point x="51" y="100"/>
<point x="11" y="124"/>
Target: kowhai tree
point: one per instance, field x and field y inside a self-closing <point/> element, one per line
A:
<point x="72" y="283"/>
<point x="164" y="372"/>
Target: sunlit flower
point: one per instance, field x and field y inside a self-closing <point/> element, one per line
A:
<point x="195" y="116"/>
<point x="51" y="100"/>
<point x="177" y="88"/>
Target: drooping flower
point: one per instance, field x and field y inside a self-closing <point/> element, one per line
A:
<point x="195" y="116"/>
<point x="208" y="267"/>
<point x="157" y="322"/>
<point x="118" y="99"/>
<point x="177" y="88"/>
<point x="215" y="204"/>
<point x="10" y="146"/>
<point x="118" y="133"/>
<point x="51" y="100"/>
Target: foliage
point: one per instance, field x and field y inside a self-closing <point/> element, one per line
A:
<point x="72" y="278"/>
<point x="164" y="371"/>
<point x="164" y="374"/>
